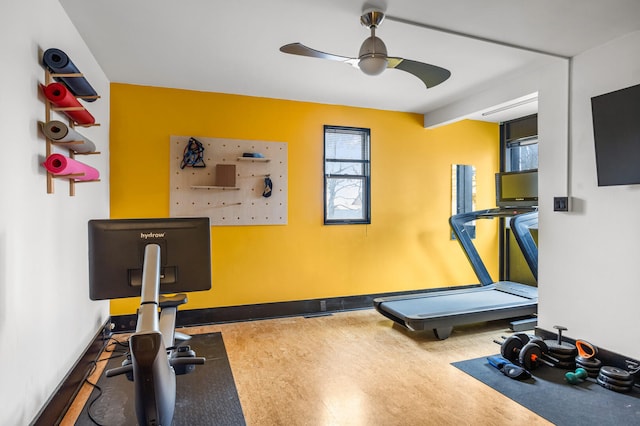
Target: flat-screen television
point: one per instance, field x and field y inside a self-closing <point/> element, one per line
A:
<point x="517" y="189"/>
<point x="116" y="255"/>
<point x="616" y="131"/>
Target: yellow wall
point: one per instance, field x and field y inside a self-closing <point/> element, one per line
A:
<point x="407" y="245"/>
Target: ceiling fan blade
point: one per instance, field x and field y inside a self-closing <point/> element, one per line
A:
<point x="430" y="75"/>
<point x="302" y="50"/>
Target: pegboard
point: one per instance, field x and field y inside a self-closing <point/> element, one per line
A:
<point x="195" y="192"/>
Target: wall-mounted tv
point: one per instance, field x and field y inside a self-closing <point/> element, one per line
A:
<point x="517" y="189"/>
<point x="616" y="131"/>
<point x="116" y="255"/>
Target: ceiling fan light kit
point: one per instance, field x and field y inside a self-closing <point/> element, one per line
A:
<point x="372" y="58"/>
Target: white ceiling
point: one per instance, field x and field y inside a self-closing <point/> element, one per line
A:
<point x="233" y="46"/>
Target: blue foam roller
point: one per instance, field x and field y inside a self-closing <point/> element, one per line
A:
<point x="59" y="63"/>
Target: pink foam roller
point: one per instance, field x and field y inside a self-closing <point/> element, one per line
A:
<point x="58" y="164"/>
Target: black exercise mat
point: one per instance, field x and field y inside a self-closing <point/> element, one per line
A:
<point x="550" y="396"/>
<point x="208" y="396"/>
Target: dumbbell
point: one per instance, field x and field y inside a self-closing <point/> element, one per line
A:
<point x="576" y="377"/>
<point x="527" y="353"/>
<point x="523" y="337"/>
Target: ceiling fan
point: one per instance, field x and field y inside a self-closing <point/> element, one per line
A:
<point x="373" y="59"/>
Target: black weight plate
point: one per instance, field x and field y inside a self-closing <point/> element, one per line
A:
<point x="615" y="372"/>
<point x="589" y="362"/>
<point x="613" y="387"/>
<point x="524" y="337"/>
<point x="565" y="365"/>
<point x="588" y="367"/>
<point x="529" y="356"/>
<point x="538" y="341"/>
<point x="592" y="374"/>
<point x="615" y="382"/>
<point x="563" y="357"/>
<point x="592" y="371"/>
<point x="510" y="347"/>
<point x="563" y="348"/>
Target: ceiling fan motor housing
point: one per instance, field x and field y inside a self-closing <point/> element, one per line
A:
<point x="373" y="56"/>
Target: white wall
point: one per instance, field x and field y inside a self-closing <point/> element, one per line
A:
<point x="589" y="276"/>
<point x="549" y="78"/>
<point x="490" y="96"/>
<point x="46" y="317"/>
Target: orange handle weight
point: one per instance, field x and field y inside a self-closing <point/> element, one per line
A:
<point x="585" y="349"/>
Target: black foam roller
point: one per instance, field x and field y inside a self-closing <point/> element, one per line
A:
<point x="59" y="63"/>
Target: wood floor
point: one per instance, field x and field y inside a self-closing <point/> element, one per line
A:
<point x="358" y="368"/>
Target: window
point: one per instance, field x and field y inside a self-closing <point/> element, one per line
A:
<point x="346" y="175"/>
<point x="522" y="155"/>
<point x="520" y="141"/>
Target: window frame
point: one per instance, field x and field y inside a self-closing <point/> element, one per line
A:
<point x="365" y="177"/>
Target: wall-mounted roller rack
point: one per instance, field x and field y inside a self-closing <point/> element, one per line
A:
<point x="72" y="178"/>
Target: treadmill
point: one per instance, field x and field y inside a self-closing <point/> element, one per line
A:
<point x="442" y="309"/>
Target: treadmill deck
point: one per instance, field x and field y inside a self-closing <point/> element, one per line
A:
<point x="438" y="309"/>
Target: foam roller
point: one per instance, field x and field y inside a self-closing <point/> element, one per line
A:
<point x="58" y="164"/>
<point x="61" y="97"/>
<point x="58" y="62"/>
<point x="57" y="131"/>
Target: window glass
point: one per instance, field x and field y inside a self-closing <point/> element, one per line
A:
<point x="346" y="175"/>
<point x="344" y="168"/>
<point x="522" y="157"/>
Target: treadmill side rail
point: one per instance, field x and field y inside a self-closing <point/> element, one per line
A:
<point x="457" y="223"/>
